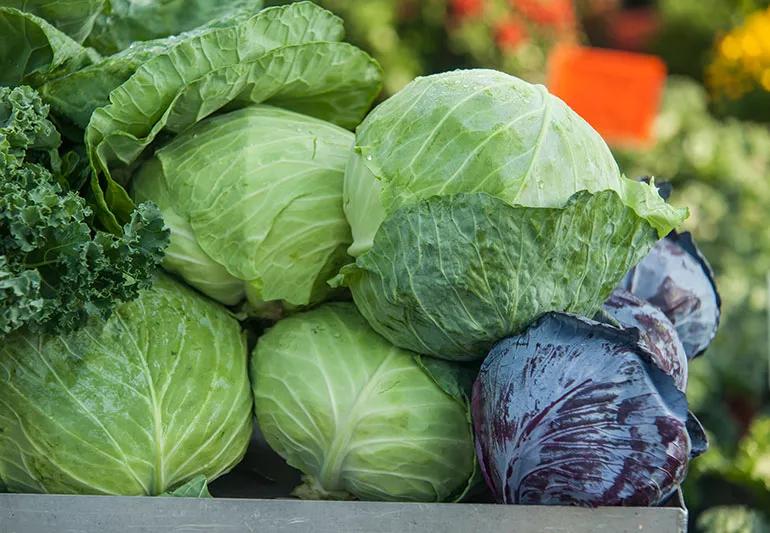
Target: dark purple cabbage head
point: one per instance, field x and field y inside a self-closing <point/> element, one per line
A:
<point x="677" y="279"/>
<point x="574" y="412"/>
<point x="655" y="331"/>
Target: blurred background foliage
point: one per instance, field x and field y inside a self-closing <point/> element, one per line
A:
<point x="711" y="141"/>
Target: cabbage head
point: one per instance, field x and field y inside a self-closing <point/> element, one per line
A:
<point x="358" y="416"/>
<point x="478" y="202"/>
<point x="254" y="202"/>
<point x="149" y="400"/>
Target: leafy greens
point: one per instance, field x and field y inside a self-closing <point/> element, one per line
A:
<point x="55" y="271"/>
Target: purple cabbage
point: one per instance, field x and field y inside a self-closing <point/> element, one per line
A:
<point x="575" y="412"/>
<point x="677" y="279"/>
<point x="656" y="333"/>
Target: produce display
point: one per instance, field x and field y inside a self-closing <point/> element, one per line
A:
<point x="455" y="293"/>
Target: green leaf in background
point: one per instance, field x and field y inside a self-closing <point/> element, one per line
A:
<point x="753" y="458"/>
<point x="73" y="17"/>
<point x="32" y="50"/>
<point x="732" y="519"/>
<point x="124" y="22"/>
<point x="721" y="170"/>
<point x="454" y="378"/>
<point x="197" y="487"/>
<point x="76" y="95"/>
<point x="451" y="275"/>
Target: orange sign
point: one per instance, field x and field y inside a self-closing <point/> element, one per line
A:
<point x="617" y="92"/>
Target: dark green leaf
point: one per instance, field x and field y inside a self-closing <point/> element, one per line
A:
<point x="33" y="51"/>
<point x="73" y="17"/>
<point x="451" y="275"/>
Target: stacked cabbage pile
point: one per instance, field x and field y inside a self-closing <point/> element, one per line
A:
<point x="471" y="217"/>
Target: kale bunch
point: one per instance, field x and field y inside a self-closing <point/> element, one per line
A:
<point x="56" y="269"/>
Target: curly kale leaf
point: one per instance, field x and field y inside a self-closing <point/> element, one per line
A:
<point x="25" y="131"/>
<point x="55" y="270"/>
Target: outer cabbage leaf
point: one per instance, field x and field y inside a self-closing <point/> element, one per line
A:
<point x="656" y="333"/>
<point x="481" y="131"/>
<point x="77" y="96"/>
<point x="73" y="17"/>
<point x="128" y="21"/>
<point x="136" y="405"/>
<point x="32" y="50"/>
<point x="574" y="412"/>
<point x="451" y="275"/>
<point x="360" y="417"/>
<point x="254" y="202"/>
<point x="197" y="487"/>
<point x="677" y="278"/>
<point x="261" y="56"/>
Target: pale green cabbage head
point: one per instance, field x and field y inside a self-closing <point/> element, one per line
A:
<point x="477" y="202"/>
<point x="481" y="131"/>
<point x="155" y="397"/>
<point x="358" y="416"/>
<point x="254" y="202"/>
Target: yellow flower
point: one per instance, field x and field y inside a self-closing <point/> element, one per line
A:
<point x="742" y="59"/>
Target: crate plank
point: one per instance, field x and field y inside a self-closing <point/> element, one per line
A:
<point x="22" y="513"/>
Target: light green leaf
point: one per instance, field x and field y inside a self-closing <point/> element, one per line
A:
<point x="151" y="398"/>
<point x="197" y="487"/>
<point x="452" y="275"/>
<point x="360" y="417"/>
<point x="78" y="95"/>
<point x="32" y="50"/>
<point x="73" y="17"/>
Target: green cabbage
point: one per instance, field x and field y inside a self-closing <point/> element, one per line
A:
<point x="138" y="405"/>
<point x="360" y="417"/>
<point x="254" y="202"/>
<point x="477" y="202"/>
<point x="286" y="56"/>
<point x="482" y="131"/>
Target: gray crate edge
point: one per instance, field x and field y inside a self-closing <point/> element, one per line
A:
<point x="25" y="513"/>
